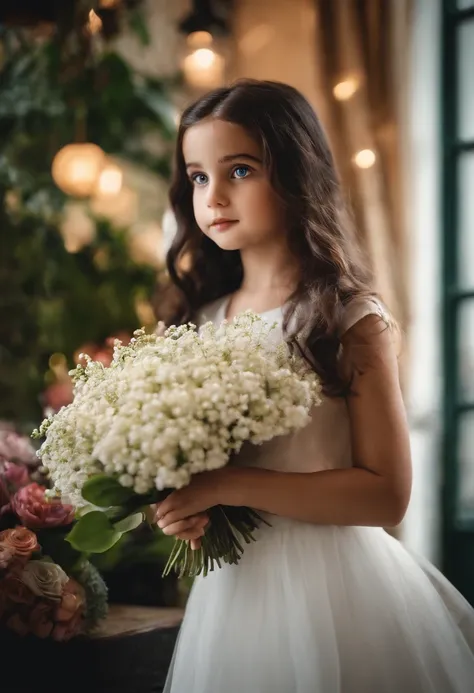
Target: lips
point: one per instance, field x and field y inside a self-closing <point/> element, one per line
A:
<point x="223" y="224"/>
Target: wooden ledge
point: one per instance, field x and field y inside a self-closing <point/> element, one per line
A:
<point x="124" y="620"/>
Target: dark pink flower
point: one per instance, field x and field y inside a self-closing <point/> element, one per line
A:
<point x="36" y="511"/>
<point x="58" y="395"/>
<point x="16" y="475"/>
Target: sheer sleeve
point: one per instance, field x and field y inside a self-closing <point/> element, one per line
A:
<point x="361" y="307"/>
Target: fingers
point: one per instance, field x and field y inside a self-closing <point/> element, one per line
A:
<point x="191" y="535"/>
<point x="195" y="524"/>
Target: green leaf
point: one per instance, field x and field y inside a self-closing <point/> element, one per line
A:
<point x="93" y="533"/>
<point x="103" y="491"/>
<point x="158" y="103"/>
<point x="53" y="545"/>
<point x="138" y="25"/>
<point x="129" y="523"/>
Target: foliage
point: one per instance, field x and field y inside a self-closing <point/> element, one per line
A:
<point x="55" y="90"/>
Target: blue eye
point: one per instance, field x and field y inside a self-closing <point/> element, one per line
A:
<point x="199" y="178"/>
<point x="241" y="171"/>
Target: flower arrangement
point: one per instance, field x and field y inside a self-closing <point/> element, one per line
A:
<point x="47" y="589"/>
<point x="168" y="407"/>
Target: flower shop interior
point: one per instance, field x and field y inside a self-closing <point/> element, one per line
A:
<point x="91" y="93"/>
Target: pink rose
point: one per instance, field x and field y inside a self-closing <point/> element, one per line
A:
<point x="16" y="448"/>
<point x="37" y="511"/>
<point x="7" y="554"/>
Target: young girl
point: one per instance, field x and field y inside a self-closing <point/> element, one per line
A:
<point x="325" y="601"/>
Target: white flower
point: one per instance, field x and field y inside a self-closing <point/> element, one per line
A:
<point x="175" y="405"/>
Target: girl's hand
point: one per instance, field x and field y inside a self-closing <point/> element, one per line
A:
<point x="191" y="529"/>
<point x="202" y="493"/>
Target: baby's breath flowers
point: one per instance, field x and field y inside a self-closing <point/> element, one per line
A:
<point x="173" y="405"/>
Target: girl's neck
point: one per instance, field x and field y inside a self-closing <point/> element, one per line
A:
<point x="268" y="270"/>
<point x="269" y="280"/>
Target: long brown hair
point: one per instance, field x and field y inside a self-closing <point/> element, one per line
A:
<point x="320" y="233"/>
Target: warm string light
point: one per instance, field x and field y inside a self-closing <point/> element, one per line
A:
<point x="345" y="90"/>
<point x="110" y="180"/>
<point x="203" y="67"/>
<point x="94" y="25"/>
<point x="365" y="158"/>
<point x="76" y="168"/>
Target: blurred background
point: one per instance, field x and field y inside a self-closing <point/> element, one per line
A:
<point x="90" y="95"/>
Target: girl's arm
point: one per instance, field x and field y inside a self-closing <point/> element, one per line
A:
<point x="374" y="492"/>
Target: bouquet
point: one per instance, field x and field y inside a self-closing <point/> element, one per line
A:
<point x="47" y="589"/>
<point x="168" y="407"/>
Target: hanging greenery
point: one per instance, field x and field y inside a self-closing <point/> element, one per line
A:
<point x="58" y="86"/>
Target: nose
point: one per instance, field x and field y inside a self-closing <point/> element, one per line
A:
<point x="217" y="195"/>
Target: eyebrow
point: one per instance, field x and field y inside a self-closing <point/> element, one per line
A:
<point x="227" y="158"/>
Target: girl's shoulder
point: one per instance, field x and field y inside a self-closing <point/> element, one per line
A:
<point x="361" y="307"/>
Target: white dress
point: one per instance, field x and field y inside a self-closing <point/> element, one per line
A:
<point x="322" y="609"/>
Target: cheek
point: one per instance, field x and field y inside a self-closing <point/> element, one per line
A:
<point x="199" y="206"/>
<point x="265" y="205"/>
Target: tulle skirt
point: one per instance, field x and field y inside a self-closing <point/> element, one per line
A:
<point x="314" y="609"/>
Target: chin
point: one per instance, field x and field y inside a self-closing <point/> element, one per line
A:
<point x="227" y="241"/>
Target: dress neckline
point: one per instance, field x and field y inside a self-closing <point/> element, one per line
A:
<point x="222" y="311"/>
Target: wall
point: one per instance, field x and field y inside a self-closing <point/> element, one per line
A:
<point x="274" y="40"/>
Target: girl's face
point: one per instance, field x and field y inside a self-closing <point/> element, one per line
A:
<point x="234" y="203"/>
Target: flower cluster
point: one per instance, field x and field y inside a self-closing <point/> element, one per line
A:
<point x="38" y="595"/>
<point x="174" y="405"/>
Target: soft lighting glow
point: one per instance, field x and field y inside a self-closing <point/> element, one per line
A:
<point x="120" y="209"/>
<point x="57" y="360"/>
<point x="199" y="39"/>
<point x="94" y="24"/>
<point x="203" y="58"/>
<point x="110" y="180"/>
<point x="76" y="168"/>
<point x="204" y="69"/>
<point x="109" y="4"/>
<point x="76" y="227"/>
<point x="365" y="158"/>
<point x="145" y="244"/>
<point x="203" y="65"/>
<point x="346" y="89"/>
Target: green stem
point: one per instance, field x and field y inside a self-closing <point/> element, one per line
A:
<point x="220" y="544"/>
